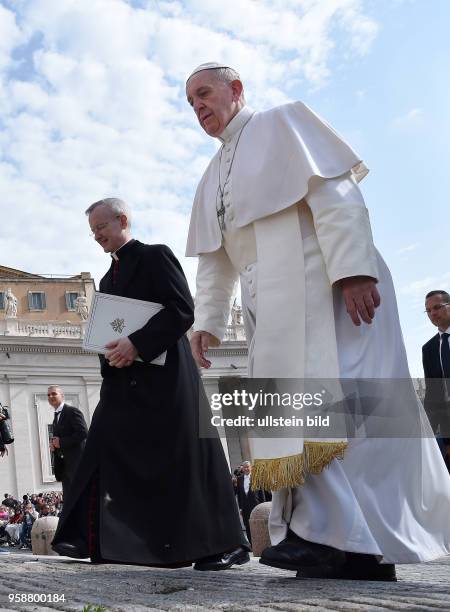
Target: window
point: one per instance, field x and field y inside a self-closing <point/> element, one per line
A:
<point x="71" y="297"/>
<point x="36" y="300"/>
<point x="2" y="300"/>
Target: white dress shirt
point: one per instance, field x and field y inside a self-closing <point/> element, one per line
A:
<point x="58" y="411"/>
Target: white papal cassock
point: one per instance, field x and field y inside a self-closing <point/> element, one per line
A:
<point x="295" y="224"/>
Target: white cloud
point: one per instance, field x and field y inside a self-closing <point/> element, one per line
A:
<point x="363" y="30"/>
<point x="10" y="36"/>
<point x="94" y="106"/>
<point x="419" y="288"/>
<point x="412" y="115"/>
<point x="412" y="119"/>
<point x="408" y="248"/>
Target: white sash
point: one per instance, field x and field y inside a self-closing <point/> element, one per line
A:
<point x="280" y="323"/>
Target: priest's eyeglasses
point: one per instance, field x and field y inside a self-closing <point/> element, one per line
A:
<point x="436" y="308"/>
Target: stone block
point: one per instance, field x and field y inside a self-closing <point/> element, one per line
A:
<point x="42" y="534"/>
<point x="259" y="527"/>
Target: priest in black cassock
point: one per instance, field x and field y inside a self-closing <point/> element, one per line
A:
<point x="143" y="443"/>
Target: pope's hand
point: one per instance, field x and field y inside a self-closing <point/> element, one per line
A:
<point x="200" y="342"/>
<point x="361" y="298"/>
<point x="121" y="353"/>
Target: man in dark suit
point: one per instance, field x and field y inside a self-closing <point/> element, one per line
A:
<point x="3" y="448"/>
<point x="146" y="426"/>
<point x="436" y="366"/>
<point x="69" y="437"/>
<point x="247" y="499"/>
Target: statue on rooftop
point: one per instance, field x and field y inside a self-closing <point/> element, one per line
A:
<point x="10" y="304"/>
<point x="82" y="307"/>
<point x="236" y="314"/>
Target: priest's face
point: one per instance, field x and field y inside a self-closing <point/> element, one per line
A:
<point x="108" y="228"/>
<point x="214" y="102"/>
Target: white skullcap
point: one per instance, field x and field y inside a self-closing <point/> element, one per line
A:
<point x="207" y="66"/>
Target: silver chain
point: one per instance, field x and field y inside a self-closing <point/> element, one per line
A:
<point x="220" y="191"/>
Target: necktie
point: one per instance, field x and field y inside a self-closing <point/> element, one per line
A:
<point x="55" y="422"/>
<point x="115" y="271"/>
<point x="445" y="360"/>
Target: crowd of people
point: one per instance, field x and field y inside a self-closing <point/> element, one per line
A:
<point x="17" y="517"/>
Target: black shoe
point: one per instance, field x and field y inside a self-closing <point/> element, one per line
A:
<point x="294" y="553"/>
<point x="66" y="549"/>
<point x="356" y="567"/>
<point x="223" y="561"/>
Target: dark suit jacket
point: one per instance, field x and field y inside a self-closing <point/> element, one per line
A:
<point x="72" y="431"/>
<point x="248" y="501"/>
<point x="436" y="405"/>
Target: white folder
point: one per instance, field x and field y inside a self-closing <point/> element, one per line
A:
<point x="112" y="317"/>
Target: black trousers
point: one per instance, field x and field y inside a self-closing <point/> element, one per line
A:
<point x="246" y="521"/>
<point x="66" y="482"/>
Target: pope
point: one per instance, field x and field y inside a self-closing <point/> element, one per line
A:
<point x="279" y="210"/>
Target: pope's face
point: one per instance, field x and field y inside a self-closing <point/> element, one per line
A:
<point x="214" y="102"/>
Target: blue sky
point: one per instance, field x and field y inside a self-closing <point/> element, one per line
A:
<point x="92" y="98"/>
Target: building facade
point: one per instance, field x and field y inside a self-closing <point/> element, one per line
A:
<point x="41" y="332"/>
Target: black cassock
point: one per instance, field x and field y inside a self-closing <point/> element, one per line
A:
<point x="143" y="444"/>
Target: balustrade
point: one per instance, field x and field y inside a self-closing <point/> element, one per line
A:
<point x="40" y="329"/>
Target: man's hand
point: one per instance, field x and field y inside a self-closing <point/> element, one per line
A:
<point x="55" y="443"/>
<point x="200" y="342"/>
<point x="361" y="298"/>
<point x="121" y="353"/>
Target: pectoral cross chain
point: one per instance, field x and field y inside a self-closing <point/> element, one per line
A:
<point x="220" y="191"/>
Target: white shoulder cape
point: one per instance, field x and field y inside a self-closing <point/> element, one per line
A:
<point x="279" y="152"/>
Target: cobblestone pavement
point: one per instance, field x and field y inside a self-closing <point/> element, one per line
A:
<point x="251" y="587"/>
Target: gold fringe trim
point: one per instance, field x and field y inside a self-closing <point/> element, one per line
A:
<point x="287" y="472"/>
